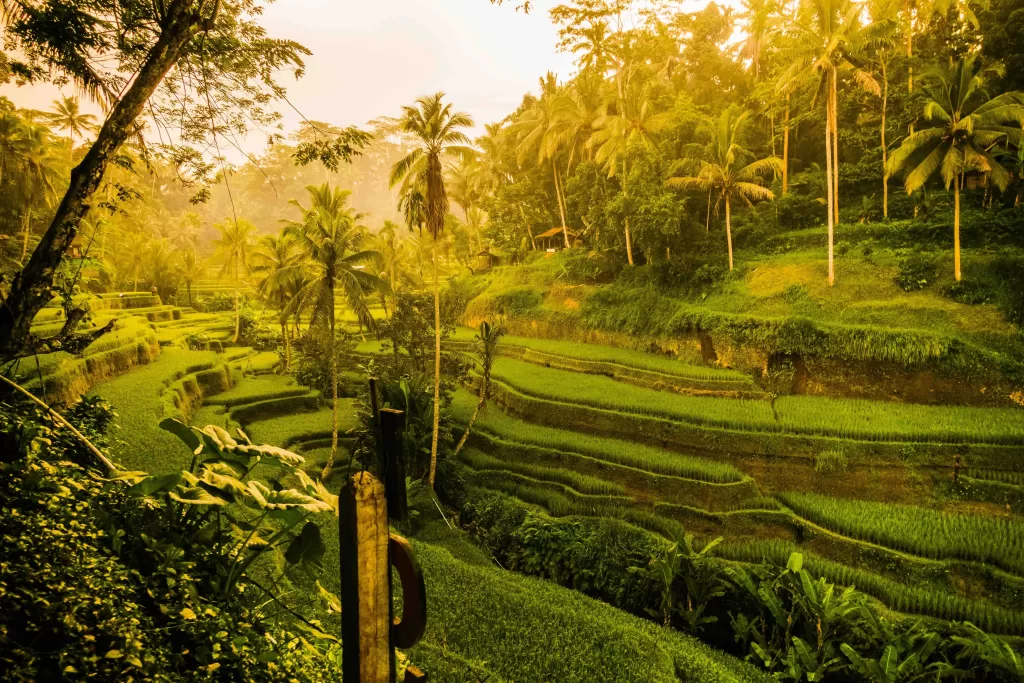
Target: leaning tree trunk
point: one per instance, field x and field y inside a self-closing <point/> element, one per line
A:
<point x="522" y="213"/>
<point x="629" y="239"/>
<point x="707" y="224"/>
<point x="287" y="344"/>
<point x="558" y="198"/>
<point x="728" y="228"/>
<point x="828" y="184"/>
<point x="437" y="371"/>
<point x="956" y="228"/>
<point x="31" y="287"/>
<point x="26" y="227"/>
<point x="235" y="340"/>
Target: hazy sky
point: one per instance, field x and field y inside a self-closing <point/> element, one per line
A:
<point x="372" y="56"/>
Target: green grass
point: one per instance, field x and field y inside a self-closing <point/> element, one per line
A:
<point x="616" y="451"/>
<point x="844" y="418"/>
<point x="288" y="430"/>
<point x="917" y="530"/>
<point x="532" y="631"/>
<point x="252" y="389"/>
<point x="575" y="480"/>
<point x="137" y="398"/>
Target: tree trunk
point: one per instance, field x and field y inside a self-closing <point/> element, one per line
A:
<point x="235" y="339"/>
<point x="885" y="153"/>
<point x="828" y="183"/>
<point x="334" y="402"/>
<point x="469" y="427"/>
<point x="188" y="291"/>
<point x="287" y="344"/>
<point x="728" y="229"/>
<point x="629" y="239"/>
<point x="528" y="230"/>
<point x="31" y="288"/>
<point x="785" y="150"/>
<point x="835" y="144"/>
<point x="437" y="372"/>
<point x="707" y="224"/>
<point x="558" y="198"/>
<point x="26" y="226"/>
<point x="956" y="228"/>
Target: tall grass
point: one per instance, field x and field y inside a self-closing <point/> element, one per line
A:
<point x="917" y="530"/>
<point x="617" y="451"/>
<point x="844" y="418"/>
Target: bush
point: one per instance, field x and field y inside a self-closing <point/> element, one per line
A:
<point x="516" y="302"/>
<point x="917" y="271"/>
<point x="217" y="302"/>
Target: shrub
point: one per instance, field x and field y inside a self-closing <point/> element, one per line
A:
<point x="917" y="271"/>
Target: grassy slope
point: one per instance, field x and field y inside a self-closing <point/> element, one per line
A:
<point x="136" y="397"/>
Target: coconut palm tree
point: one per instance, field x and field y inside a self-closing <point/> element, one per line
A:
<point x="822" y="34"/>
<point x="437" y="128"/>
<point x="540" y="134"/>
<point x="393" y="266"/>
<point x="329" y="236"/>
<point x="189" y="268"/>
<point x="631" y="120"/>
<point x="724" y="168"/>
<point x="276" y="259"/>
<point x="486" y="346"/>
<point x="39" y="172"/>
<point x="67" y="116"/>
<point x="233" y="248"/>
<point x="969" y="128"/>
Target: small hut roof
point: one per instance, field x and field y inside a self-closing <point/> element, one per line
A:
<point x="552" y="232"/>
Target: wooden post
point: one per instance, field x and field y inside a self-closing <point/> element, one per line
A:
<point x="392" y="422"/>
<point x="367" y="651"/>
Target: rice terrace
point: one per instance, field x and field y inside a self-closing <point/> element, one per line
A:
<point x="518" y="342"/>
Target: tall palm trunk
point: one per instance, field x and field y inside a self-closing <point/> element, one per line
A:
<point x="26" y="225"/>
<point x="287" y="344"/>
<point x="558" y="198"/>
<point x="885" y="152"/>
<point x="785" y="149"/>
<point x="728" y="228"/>
<point x="629" y="238"/>
<point x="437" y="370"/>
<point x="956" y="228"/>
<point x="835" y="144"/>
<point x="707" y="224"/>
<point x="236" y="303"/>
<point x="334" y="401"/>
<point x="828" y="183"/>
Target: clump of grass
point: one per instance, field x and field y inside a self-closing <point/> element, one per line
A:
<point x="917" y="530"/>
<point x="830" y="462"/>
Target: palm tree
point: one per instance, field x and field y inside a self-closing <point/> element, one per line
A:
<point x="39" y="168"/>
<point x="276" y="259"/>
<point x="190" y="268"/>
<point x="633" y="121"/>
<point x="328" y="236"/>
<point x="233" y="247"/>
<point x="539" y="131"/>
<point x="436" y="127"/>
<point x="486" y="346"/>
<point x="67" y="116"/>
<point x="822" y="33"/>
<point x="969" y="127"/>
<point x="723" y="168"/>
<point x="394" y="255"/>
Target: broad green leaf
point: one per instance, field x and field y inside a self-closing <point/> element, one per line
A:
<point x="279" y="455"/>
<point x="795" y="562"/>
<point x="332" y="601"/>
<point x="804" y="652"/>
<point x="307" y="548"/>
<point x="131" y="477"/>
<point x="286" y="499"/>
<point x="889" y="661"/>
<point x="183" y="432"/>
<point x="187" y="614"/>
<point x="195" y="495"/>
<point x="153" y="484"/>
<point x="222" y="477"/>
<point x="220" y="437"/>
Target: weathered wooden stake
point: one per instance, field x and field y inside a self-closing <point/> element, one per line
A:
<point x="392" y="422"/>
